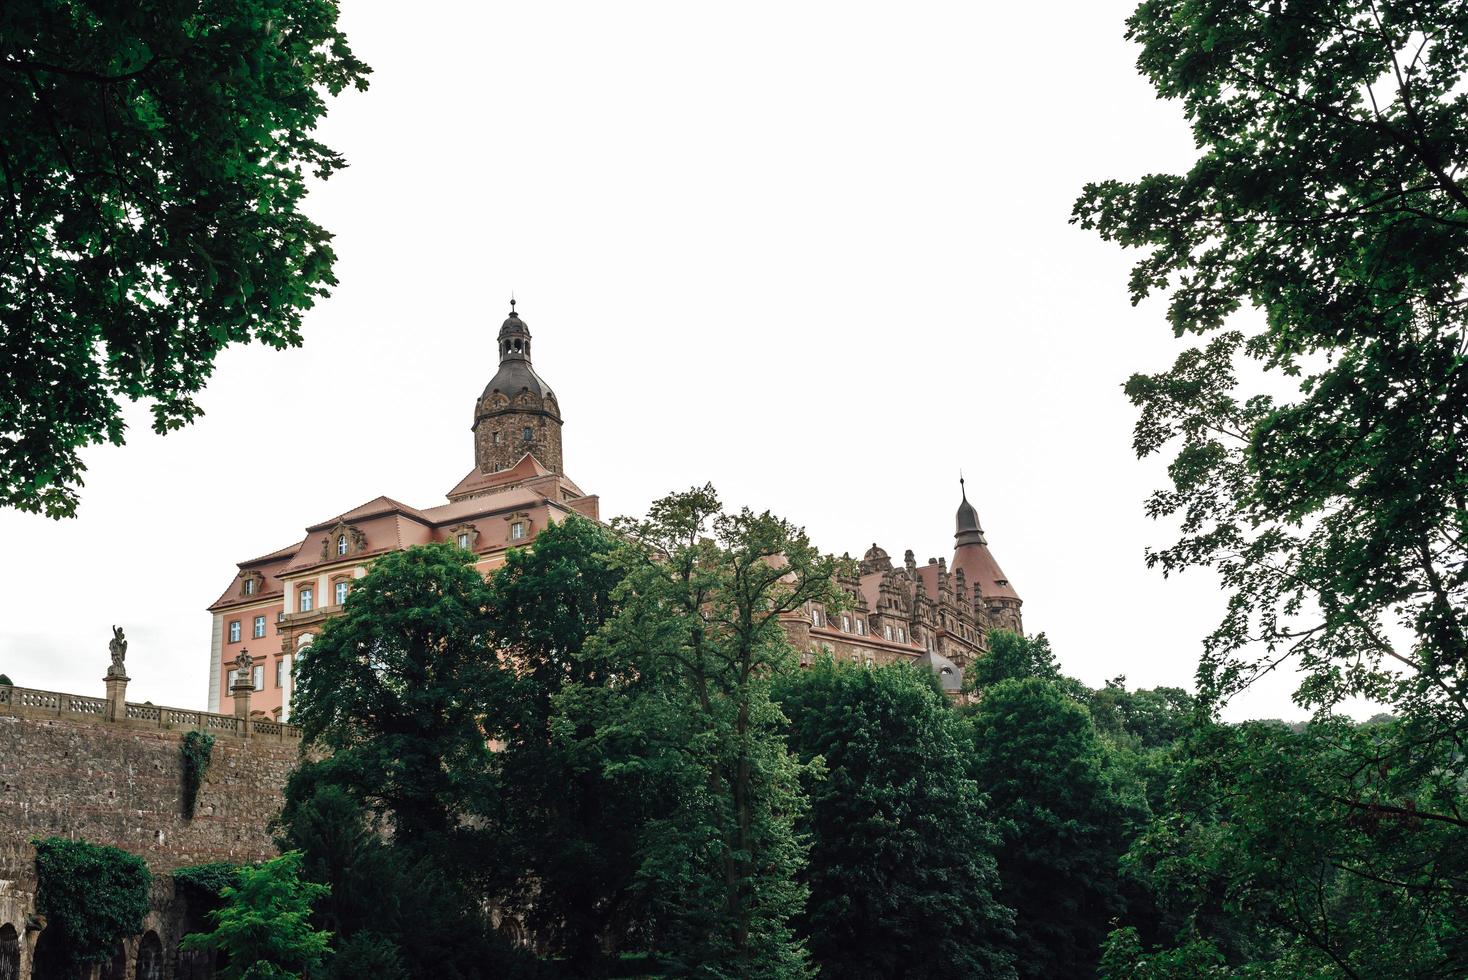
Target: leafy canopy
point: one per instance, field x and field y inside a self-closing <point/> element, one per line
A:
<point x="1061" y="823"/>
<point x="1328" y="194"/>
<point x="398" y="689"/>
<point x="901" y="871"/>
<point x="264" y="925"/>
<point x="153" y="159"/>
<point x="694" y="726"/>
<point x="567" y="830"/>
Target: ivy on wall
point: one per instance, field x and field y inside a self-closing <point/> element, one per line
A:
<point x="197" y="749"/>
<point x="92" y="896"/>
<point x="207" y="880"/>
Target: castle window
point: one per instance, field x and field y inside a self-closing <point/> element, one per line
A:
<point x="886" y="632"/>
<point x="307" y="597"/>
<point x="234" y="631"/>
<point x="815" y="617"/>
<point x="341" y="544"/>
<point x="495" y="438"/>
<point x="259" y="630"/>
<point x="464" y="541"/>
<point x="901" y="636"/>
<point x="846" y="624"/>
<point x="517" y="530"/>
<point x="341" y="593"/>
<point x="527" y="433"/>
<point x="861" y="627"/>
<point x="249" y="586"/>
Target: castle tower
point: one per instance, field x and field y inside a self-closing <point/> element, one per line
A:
<point x="990" y="588"/>
<point x="518" y="413"/>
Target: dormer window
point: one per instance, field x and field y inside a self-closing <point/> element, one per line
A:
<point x="887" y="633"/>
<point x="249" y="586"/>
<point x="341" y="544"/>
<point x="815" y="617"/>
<point x="846" y="624"/>
<point x="517" y="531"/>
<point x="464" y="541"/>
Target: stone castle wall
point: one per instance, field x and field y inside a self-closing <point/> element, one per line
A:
<point x="69" y="773"/>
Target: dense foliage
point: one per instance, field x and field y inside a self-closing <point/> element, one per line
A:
<point x="1327" y="195"/>
<point x="206" y="880"/>
<point x="400" y="689"/>
<point x="694" y="725"/>
<point x="568" y="830"/>
<point x="1329" y="493"/>
<point x="153" y="159"/>
<point x="1061" y="823"/>
<point x="901" y="870"/>
<point x="92" y="896"/>
<point x="197" y="748"/>
<point x="264" y="924"/>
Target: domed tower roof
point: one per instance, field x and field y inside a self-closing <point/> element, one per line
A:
<point x="515" y="373"/>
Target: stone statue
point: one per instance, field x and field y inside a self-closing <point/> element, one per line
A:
<point x="118" y="649"/>
<point x="242" y="665"/>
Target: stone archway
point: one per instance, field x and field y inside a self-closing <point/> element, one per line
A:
<point x="150" y="958"/>
<point x="9" y="953"/>
<point x="47" y="960"/>
<point x="115" y="968"/>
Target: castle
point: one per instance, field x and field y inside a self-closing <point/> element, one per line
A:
<point x="938" y="614"/>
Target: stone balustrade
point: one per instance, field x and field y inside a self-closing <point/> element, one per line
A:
<point x="25" y="702"/>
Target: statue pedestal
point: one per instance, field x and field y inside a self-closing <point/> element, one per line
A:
<point x="116" y="696"/>
<point x="240" y="690"/>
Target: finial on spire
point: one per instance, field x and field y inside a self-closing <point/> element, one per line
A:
<point x="512" y="301"/>
<point x="961" y="489"/>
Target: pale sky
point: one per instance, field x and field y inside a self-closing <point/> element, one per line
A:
<point x="815" y="253"/>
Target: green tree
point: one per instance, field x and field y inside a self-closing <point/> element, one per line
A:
<point x="569" y="831"/>
<point x="1061" y="823"/>
<point x="1313" y="853"/>
<point x="264" y="926"/>
<point x="700" y="620"/>
<point x="1012" y="655"/>
<point x="1328" y="194"/>
<point x="400" y="688"/>
<point x="902" y="875"/>
<point x="393" y="912"/>
<point x="153" y="157"/>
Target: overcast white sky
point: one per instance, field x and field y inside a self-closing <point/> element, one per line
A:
<point x="815" y="253"/>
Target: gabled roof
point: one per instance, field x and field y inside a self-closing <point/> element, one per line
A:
<point x="528" y="468"/>
<point x="372" y="508"/>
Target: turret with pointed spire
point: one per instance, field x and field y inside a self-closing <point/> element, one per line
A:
<point x="517" y="413"/>
<point x="988" y="585"/>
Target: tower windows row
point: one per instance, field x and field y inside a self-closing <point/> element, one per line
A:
<point x="527" y="434"/>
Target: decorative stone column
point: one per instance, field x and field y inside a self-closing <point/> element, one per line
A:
<point x="116" y="695"/>
<point x="241" y="688"/>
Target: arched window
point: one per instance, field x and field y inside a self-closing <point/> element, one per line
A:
<point x="9" y="952"/>
<point x="341" y="544"/>
<point x="150" y="958"/>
